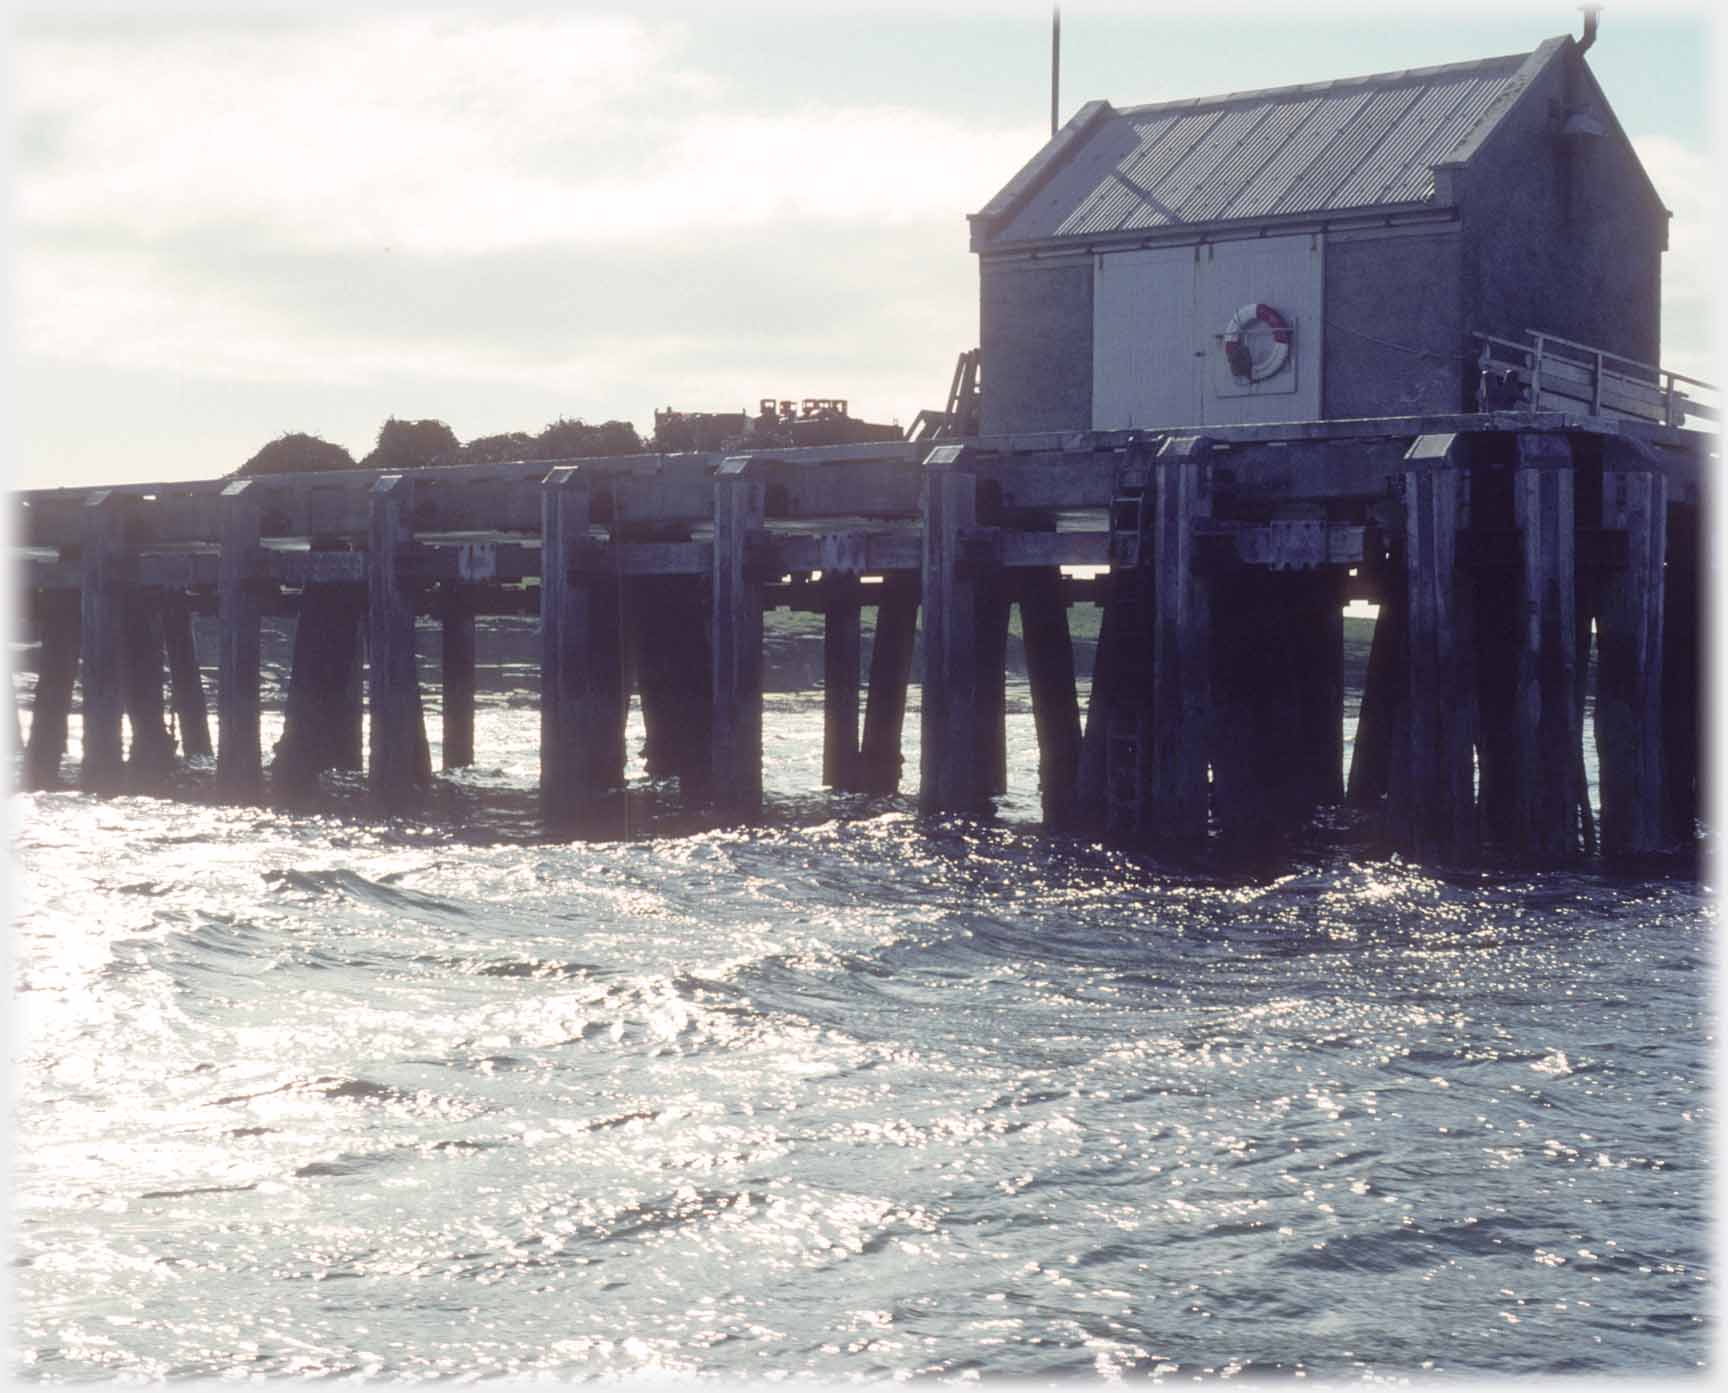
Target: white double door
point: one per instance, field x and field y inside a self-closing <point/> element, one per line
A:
<point x="1158" y="322"/>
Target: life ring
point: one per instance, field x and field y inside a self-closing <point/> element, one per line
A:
<point x="1256" y="342"/>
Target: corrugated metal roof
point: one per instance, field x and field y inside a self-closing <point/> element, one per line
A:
<point x="1321" y="148"/>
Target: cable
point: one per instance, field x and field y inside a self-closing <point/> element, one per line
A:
<point x="1402" y="347"/>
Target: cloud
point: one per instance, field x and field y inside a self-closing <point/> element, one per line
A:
<point x="1688" y="180"/>
<point x="435" y="135"/>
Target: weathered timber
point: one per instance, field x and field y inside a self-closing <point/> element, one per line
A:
<point x="1684" y="755"/>
<point x="59" y="622"/>
<point x="1055" y="702"/>
<point x="395" y="732"/>
<point x="457" y="672"/>
<point x="1116" y="754"/>
<point x="1629" y="634"/>
<point x="1091" y="792"/>
<point x="739" y="502"/>
<point x="239" y="761"/>
<point x="150" y="751"/>
<point x="184" y="679"/>
<point x="1220" y="644"/>
<point x="1432" y="810"/>
<point x="669" y="621"/>
<point x="992" y="607"/>
<point x="891" y="651"/>
<point x="322" y="722"/>
<point x="582" y="678"/>
<point x="1182" y="733"/>
<point x="842" y="657"/>
<point x="1382" y="693"/>
<point x="1269" y="704"/>
<point x="952" y="778"/>
<point x="102" y="660"/>
<point x="1546" y="824"/>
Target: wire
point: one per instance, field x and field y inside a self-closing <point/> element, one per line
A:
<point x="1402" y="347"/>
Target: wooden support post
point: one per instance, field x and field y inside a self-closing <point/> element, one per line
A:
<point x="322" y="725"/>
<point x="666" y="639"/>
<point x="581" y="675"/>
<point x="1685" y="758"/>
<point x="1320" y="638"/>
<point x="1257" y="792"/>
<point x="740" y="502"/>
<point x="990" y="724"/>
<point x="1055" y="702"/>
<point x="239" y="764"/>
<point x="395" y="738"/>
<point x="1092" y="778"/>
<point x="842" y="649"/>
<point x="891" y="652"/>
<point x="1181" y="735"/>
<point x="150" y="753"/>
<point x="185" y="681"/>
<point x="102" y="662"/>
<point x="1546" y="824"/>
<point x="1432" y="807"/>
<point x="1629" y="633"/>
<point x="456" y="619"/>
<point x="1383" y="693"/>
<point x="951" y="779"/>
<point x="60" y="625"/>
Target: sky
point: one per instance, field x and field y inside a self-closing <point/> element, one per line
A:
<point x="230" y="222"/>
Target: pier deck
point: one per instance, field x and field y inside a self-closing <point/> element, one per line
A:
<point x="1496" y="545"/>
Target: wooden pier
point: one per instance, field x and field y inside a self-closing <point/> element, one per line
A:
<point x="1496" y="545"/>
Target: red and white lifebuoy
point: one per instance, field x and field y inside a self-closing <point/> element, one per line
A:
<point x="1256" y="342"/>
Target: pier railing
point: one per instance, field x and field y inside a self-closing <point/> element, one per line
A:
<point x="1550" y="373"/>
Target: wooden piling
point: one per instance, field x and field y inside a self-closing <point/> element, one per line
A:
<point x="993" y="611"/>
<point x="60" y="625"/>
<point x="1629" y="634"/>
<point x="1258" y="792"/>
<point x="842" y="651"/>
<point x="1432" y="809"/>
<point x="1546" y="823"/>
<point x="1181" y="735"/>
<point x="103" y="628"/>
<point x="150" y="751"/>
<point x="1383" y="692"/>
<point x="1684" y="754"/>
<point x="740" y="500"/>
<point x="1055" y="701"/>
<point x="951" y="776"/>
<point x="892" y="648"/>
<point x="185" y="681"/>
<point x="239" y="763"/>
<point x="675" y="665"/>
<point x="322" y="723"/>
<point x="456" y="620"/>
<point x="581" y="676"/>
<point x="395" y="733"/>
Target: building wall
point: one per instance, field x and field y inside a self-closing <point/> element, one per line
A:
<point x="1035" y="333"/>
<point x="1394" y="323"/>
<point x="1562" y="234"/>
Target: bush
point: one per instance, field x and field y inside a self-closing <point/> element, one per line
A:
<point x="413" y="445"/>
<point x="297" y="453"/>
<point x="567" y="439"/>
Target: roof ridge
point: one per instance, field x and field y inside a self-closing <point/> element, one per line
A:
<point x="1329" y="85"/>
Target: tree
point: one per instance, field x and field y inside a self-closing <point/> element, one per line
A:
<point x="413" y="445"/>
<point x="576" y="439"/>
<point x="500" y="449"/>
<point x="295" y="452"/>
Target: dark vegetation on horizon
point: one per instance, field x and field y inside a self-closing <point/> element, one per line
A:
<point x="429" y="444"/>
